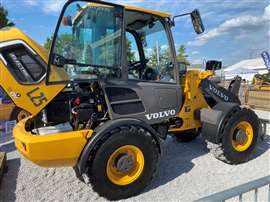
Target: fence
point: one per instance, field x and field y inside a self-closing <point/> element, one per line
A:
<point x="6" y="128"/>
<point x="239" y="191"/>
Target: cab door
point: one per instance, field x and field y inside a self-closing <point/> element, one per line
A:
<point x="152" y="91"/>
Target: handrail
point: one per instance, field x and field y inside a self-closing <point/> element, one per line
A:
<point x="239" y="191"/>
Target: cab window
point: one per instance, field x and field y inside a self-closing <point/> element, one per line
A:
<point x="89" y="42"/>
<point x="24" y="65"/>
<point x="133" y="56"/>
<point x="156" y="61"/>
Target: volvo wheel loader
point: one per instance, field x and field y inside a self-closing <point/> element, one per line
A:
<point x="111" y="92"/>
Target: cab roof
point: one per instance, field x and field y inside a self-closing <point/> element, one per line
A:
<point x="132" y="8"/>
<point x="149" y="11"/>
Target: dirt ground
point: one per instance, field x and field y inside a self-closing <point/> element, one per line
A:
<point x="187" y="172"/>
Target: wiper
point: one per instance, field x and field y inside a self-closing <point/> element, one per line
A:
<point x="74" y="62"/>
<point x="60" y="61"/>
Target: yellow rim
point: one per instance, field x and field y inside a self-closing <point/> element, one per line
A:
<point x="133" y="173"/>
<point x="247" y="130"/>
<point x="21" y="115"/>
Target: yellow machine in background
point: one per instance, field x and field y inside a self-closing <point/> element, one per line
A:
<point x="99" y="110"/>
<point x="258" y="94"/>
<point x="6" y="111"/>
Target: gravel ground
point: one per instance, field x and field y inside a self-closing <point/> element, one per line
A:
<point x="187" y="172"/>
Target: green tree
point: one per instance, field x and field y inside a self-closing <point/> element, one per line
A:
<point x="153" y="60"/>
<point x="163" y="54"/>
<point x="4" y="21"/>
<point x="65" y="38"/>
<point x="61" y="41"/>
<point x="130" y="52"/>
<point x="182" y="55"/>
<point x="48" y="43"/>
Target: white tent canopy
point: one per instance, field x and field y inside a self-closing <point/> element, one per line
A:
<point x="255" y="64"/>
<point x="246" y="69"/>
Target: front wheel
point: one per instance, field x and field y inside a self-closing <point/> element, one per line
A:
<point x="124" y="163"/>
<point x="239" y="137"/>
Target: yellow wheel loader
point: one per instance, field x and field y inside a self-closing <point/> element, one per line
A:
<point x="111" y="92"/>
<point x="257" y="96"/>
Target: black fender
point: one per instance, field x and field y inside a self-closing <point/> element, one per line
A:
<point x="103" y="130"/>
<point x="213" y="120"/>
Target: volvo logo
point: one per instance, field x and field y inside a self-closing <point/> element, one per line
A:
<point x="218" y="93"/>
<point x="159" y="115"/>
<point x="14" y="95"/>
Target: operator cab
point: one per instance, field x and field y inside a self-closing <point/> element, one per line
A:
<point x="92" y="48"/>
<point x="108" y="41"/>
<point x="126" y="52"/>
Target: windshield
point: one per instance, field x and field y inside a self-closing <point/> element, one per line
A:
<point x="88" y="43"/>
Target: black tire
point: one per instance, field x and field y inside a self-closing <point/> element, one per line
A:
<point x="16" y="112"/>
<point x="225" y="151"/>
<point x="187" y="136"/>
<point x="123" y="136"/>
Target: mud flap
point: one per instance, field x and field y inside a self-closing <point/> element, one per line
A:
<point x="213" y="120"/>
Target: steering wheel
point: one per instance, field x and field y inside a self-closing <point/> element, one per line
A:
<point x="150" y="74"/>
<point x="134" y="65"/>
<point x="138" y="65"/>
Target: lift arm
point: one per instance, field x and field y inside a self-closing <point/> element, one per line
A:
<point x="218" y="93"/>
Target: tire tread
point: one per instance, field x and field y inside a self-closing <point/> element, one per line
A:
<point x="218" y="150"/>
<point x="125" y="130"/>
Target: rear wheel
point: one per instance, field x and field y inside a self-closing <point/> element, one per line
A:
<point x="124" y="163"/>
<point x="188" y="136"/>
<point x="239" y="137"/>
<point x="18" y="114"/>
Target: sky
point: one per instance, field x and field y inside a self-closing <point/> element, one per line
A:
<point x="235" y="29"/>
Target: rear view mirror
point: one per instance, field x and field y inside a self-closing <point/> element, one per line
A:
<point x="197" y="21"/>
<point x="213" y="65"/>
